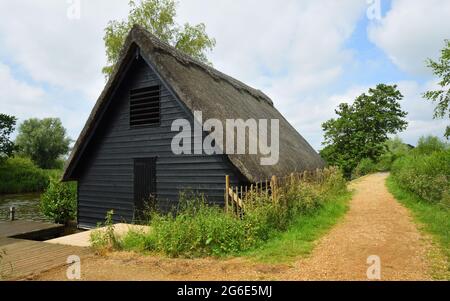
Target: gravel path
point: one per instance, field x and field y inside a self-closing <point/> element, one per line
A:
<point x="376" y="224"/>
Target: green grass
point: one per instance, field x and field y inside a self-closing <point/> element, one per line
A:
<point x="303" y="211"/>
<point x="433" y="217"/>
<point x="299" y="240"/>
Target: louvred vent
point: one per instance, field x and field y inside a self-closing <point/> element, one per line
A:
<point x="145" y="106"/>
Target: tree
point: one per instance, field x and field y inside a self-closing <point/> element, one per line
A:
<point x="7" y="126"/>
<point x="362" y="128"/>
<point x="441" y="96"/>
<point x="157" y="16"/>
<point x="44" y="141"/>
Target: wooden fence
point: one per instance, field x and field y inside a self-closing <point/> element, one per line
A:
<point x="236" y="196"/>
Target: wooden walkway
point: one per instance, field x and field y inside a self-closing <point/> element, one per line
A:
<point x="23" y="258"/>
<point x="29" y="230"/>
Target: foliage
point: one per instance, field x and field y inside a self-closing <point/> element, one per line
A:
<point x="104" y="239"/>
<point x="365" y="166"/>
<point x="157" y="16"/>
<point x="425" y="172"/>
<point x="59" y="201"/>
<point x="363" y="127"/>
<point x="430" y="144"/>
<point x="201" y="230"/>
<point x="7" y="124"/>
<point x="435" y="219"/>
<point x="18" y="175"/>
<point x="441" y="97"/>
<point x="44" y="141"/>
<point x="395" y="148"/>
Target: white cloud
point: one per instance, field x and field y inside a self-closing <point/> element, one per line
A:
<point x="412" y="31"/>
<point x="296" y="43"/>
<point x="17" y="97"/>
<point x="24" y="101"/>
<point x="420" y="112"/>
<point x="53" y="49"/>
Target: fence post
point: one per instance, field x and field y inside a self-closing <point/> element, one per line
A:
<point x="273" y="184"/>
<point x="12" y="213"/>
<point x="227" y="192"/>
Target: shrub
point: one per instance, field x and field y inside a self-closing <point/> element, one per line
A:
<point x="385" y="162"/>
<point x="18" y="175"/>
<point x="104" y="239"/>
<point x="365" y="167"/>
<point x="429" y="145"/>
<point x="197" y="229"/>
<point x="59" y="201"/>
<point x="426" y="175"/>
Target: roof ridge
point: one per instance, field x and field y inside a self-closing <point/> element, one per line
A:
<point x="187" y="59"/>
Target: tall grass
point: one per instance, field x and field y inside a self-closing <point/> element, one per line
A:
<point x="425" y="174"/>
<point x="198" y="229"/>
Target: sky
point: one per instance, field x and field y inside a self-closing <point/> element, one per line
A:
<point x="307" y="55"/>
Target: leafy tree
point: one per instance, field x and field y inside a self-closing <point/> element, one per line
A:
<point x="44" y="141"/>
<point x="441" y="69"/>
<point x="362" y="128"/>
<point x="7" y="125"/>
<point x="157" y="16"/>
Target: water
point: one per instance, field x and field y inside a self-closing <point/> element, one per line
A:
<point x="27" y="207"/>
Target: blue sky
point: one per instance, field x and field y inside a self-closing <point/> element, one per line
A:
<point x="307" y="55"/>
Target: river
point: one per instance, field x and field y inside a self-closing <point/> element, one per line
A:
<point x="27" y="206"/>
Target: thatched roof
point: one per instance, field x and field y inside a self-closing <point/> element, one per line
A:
<point x="219" y="96"/>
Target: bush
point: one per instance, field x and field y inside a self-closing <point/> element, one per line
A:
<point x="426" y="175"/>
<point x="59" y="201"/>
<point x="365" y="167"/>
<point x="395" y="149"/>
<point x="429" y="145"/>
<point x="200" y="230"/>
<point x="19" y="175"/>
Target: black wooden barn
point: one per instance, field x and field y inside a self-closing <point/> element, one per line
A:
<point x="123" y="154"/>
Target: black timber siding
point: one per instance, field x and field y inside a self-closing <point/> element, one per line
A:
<point x="105" y="172"/>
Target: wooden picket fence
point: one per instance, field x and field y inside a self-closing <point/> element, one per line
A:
<point x="236" y="196"/>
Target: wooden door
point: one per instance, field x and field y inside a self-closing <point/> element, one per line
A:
<point x="144" y="185"/>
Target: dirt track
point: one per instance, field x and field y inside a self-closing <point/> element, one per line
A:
<point x="375" y="225"/>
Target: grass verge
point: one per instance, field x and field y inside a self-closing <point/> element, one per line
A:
<point x="432" y="217"/>
<point x="196" y="229"/>
<point x="300" y="239"/>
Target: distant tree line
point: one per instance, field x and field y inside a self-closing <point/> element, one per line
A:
<point x="44" y="141"/>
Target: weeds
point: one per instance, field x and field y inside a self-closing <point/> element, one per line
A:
<point x="426" y="175"/>
<point x="104" y="239"/>
<point x="197" y="229"/>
